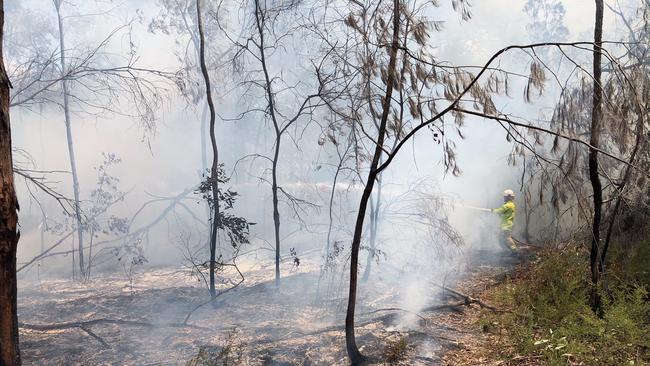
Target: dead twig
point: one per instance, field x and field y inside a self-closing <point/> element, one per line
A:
<point x="213" y="298"/>
<point x="92" y="334"/>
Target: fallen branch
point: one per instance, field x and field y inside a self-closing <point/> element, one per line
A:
<point x="525" y="244"/>
<point x="467" y="300"/>
<point x="85" y="326"/>
<point x="396" y="309"/>
<point x="61" y="240"/>
<point x="88" y="323"/>
<point x="173" y="202"/>
<point x="98" y="338"/>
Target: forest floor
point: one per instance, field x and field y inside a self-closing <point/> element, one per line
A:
<point x="113" y="321"/>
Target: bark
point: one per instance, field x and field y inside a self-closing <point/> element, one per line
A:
<point x="204" y="144"/>
<point x="596" y="120"/>
<point x="215" y="153"/>
<point x="276" y="212"/>
<point x="68" y="133"/>
<point x="355" y="356"/>
<point x="9" y="351"/>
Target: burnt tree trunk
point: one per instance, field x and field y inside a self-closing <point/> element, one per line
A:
<point x="596" y="121"/>
<point x="214" y="179"/>
<point x="9" y="352"/>
<point x="276" y="211"/>
<point x="355" y="356"/>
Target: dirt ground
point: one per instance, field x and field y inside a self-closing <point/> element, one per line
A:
<point x="143" y="323"/>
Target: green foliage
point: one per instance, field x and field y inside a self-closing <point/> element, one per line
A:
<point x="552" y="321"/>
<point x="235" y="227"/>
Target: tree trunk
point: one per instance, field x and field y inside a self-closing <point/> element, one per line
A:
<point x="9" y="352"/>
<point x="276" y="212"/>
<point x="204" y="142"/>
<point x="596" y="119"/>
<point x="259" y="22"/>
<point x="355" y="356"/>
<point x="216" y="220"/>
<point x="68" y="133"/>
<point x="204" y="152"/>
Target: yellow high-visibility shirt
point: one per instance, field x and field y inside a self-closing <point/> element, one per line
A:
<point x="507" y="215"/>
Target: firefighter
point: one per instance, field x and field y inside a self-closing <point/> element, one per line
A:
<point x="507" y="215"/>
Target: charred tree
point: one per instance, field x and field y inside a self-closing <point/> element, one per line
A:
<point x="214" y="180"/>
<point x="353" y="351"/>
<point x="268" y="88"/>
<point x="9" y="351"/>
<point x="596" y="121"/>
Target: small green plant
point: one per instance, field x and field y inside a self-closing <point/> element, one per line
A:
<point x="395" y="351"/>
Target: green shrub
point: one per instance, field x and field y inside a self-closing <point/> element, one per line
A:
<point x="551" y="318"/>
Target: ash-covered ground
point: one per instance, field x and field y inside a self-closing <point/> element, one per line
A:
<point x="142" y="322"/>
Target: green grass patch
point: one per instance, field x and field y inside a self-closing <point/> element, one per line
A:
<point x="550" y="318"/>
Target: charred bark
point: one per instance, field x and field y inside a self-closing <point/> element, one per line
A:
<point x="596" y="121"/>
<point x="214" y="179"/>
<point x="9" y="350"/>
<point x="354" y="354"/>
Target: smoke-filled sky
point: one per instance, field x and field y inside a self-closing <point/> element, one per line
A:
<point x="168" y="161"/>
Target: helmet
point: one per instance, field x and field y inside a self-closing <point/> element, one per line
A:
<point x="508" y="193"/>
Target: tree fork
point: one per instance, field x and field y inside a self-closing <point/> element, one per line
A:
<point x="356" y="358"/>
